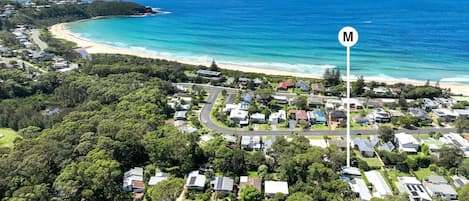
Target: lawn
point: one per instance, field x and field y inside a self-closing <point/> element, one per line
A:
<point x="424" y="173"/>
<point x="9" y="136"/>
<point x="321" y="127"/>
<point x="372" y="162"/>
<point x="253" y="174"/>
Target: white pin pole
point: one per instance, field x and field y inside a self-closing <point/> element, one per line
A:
<point x="348" y="107"/>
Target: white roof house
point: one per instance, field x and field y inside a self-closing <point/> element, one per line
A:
<point x="380" y="90"/>
<point x="277" y="117"/>
<point x="379" y="184"/>
<point x="438" y="186"/>
<point x="195" y="180"/>
<point x="359" y="186"/>
<point x="159" y="176"/>
<point x="318" y="143"/>
<point x="407" y="143"/>
<point x="230" y="107"/>
<point x="273" y="187"/>
<point x="238" y="115"/>
<point x="413" y="188"/>
<point x="258" y="117"/>
<point x="131" y="176"/>
<point x="458" y="140"/>
<point x="461" y="112"/>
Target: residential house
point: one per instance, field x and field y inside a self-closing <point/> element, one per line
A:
<point x="395" y="113"/>
<point x="222" y="185"/>
<point x="457" y="140"/>
<point x="248" y="97"/>
<point x="351" y="172"/>
<point x="380" y="90"/>
<point x="418" y="113"/>
<point x="243" y="81"/>
<point x="373" y="103"/>
<point x="395" y="91"/>
<point x="229" y="107"/>
<point x="359" y="186"/>
<point x="379" y="115"/>
<point x="414" y="188"/>
<point x="239" y="116"/>
<point x="180" y="115"/>
<point x="258" y="118"/>
<point x="437" y="186"/>
<point x="245" y="180"/>
<point x="273" y="187"/>
<point x="361" y="120"/>
<point x="462" y="113"/>
<point x="445" y="114"/>
<point x="316" y="88"/>
<point x="278" y="117"/>
<point x="429" y="105"/>
<point x="280" y="99"/>
<point x="315" y="102"/>
<point x="285" y="85"/>
<point x="159" y="176"/>
<point x="195" y="181"/>
<point x="332" y="104"/>
<point x="303" y="86"/>
<point x="380" y="187"/>
<point x="318" y="143"/>
<point x="257" y="81"/>
<point x="388" y="146"/>
<point x="406" y="143"/>
<point x="251" y="142"/>
<point x="355" y="104"/>
<point x="300" y="115"/>
<point x="364" y="146"/>
<point x="341" y="144"/>
<point x="208" y="73"/>
<point x="319" y="117"/>
<point x="459" y="181"/>
<point x="133" y="180"/>
<point x="445" y="102"/>
<point x="337" y="116"/>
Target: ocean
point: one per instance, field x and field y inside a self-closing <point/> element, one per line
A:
<point x="399" y="39"/>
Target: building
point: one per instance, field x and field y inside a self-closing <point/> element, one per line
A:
<point x="278" y="117"/>
<point x="133" y="180"/>
<point x="406" y="143"/>
<point x="380" y="187"/>
<point x="459" y="181"/>
<point x="303" y="86"/>
<point x="251" y="142"/>
<point x="462" y="113"/>
<point x="341" y="144"/>
<point x="318" y="143"/>
<point x="351" y="172"/>
<point x="359" y="186"/>
<point x="273" y="187"/>
<point x="373" y="103"/>
<point x="299" y="115"/>
<point x="418" y="113"/>
<point x="208" y="73"/>
<point x="222" y="185"/>
<point x="315" y="102"/>
<point x="332" y="104"/>
<point x="364" y="146"/>
<point x="159" y="176"/>
<point x="380" y="90"/>
<point x="280" y="99"/>
<point x="180" y="115"/>
<point x="245" y="180"/>
<point x="413" y="188"/>
<point x="238" y="116"/>
<point x="319" y="117"/>
<point x="437" y="186"/>
<point x="195" y="181"/>
<point x="285" y="85"/>
<point x="243" y="80"/>
<point x="258" y="118"/>
<point x="457" y="140"/>
<point x="354" y="104"/>
<point x="445" y="114"/>
<point x="317" y="88"/>
<point x="379" y="115"/>
<point x="429" y="105"/>
<point x="338" y="116"/>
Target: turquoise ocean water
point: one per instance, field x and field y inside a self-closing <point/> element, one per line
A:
<point x="400" y="39"/>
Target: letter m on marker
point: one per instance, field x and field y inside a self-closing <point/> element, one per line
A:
<point x="348" y="37"/>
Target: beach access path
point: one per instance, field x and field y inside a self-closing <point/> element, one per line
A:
<point x="205" y="119"/>
<point x="35" y="34"/>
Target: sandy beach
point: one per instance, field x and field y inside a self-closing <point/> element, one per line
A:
<point x="60" y="31"/>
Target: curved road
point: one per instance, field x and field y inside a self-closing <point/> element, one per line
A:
<point x="214" y="91"/>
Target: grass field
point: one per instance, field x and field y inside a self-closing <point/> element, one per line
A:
<point x="424" y="173"/>
<point x="9" y="136"/>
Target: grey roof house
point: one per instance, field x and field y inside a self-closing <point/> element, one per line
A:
<point x="222" y="184"/>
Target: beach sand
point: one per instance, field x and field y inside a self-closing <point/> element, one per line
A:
<point x="60" y="31"/>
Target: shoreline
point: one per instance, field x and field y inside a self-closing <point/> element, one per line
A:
<point x="60" y="31"/>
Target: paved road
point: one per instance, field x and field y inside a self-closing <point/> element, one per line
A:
<point x="35" y="36"/>
<point x="214" y="91"/>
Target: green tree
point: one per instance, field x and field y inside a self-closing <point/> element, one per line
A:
<point x="299" y="196"/>
<point x="250" y="193"/>
<point x="358" y="87"/>
<point x="386" y="133"/>
<point x="213" y="66"/>
<point x="302" y="102"/>
<point x="167" y="190"/>
<point x="463" y="193"/>
<point x="30" y="132"/>
<point x="450" y="156"/>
